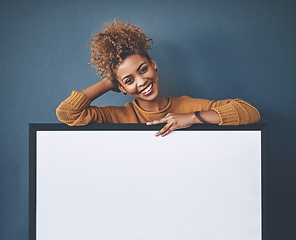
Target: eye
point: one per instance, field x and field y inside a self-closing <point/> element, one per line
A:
<point x="129" y="81"/>
<point x="144" y="69"/>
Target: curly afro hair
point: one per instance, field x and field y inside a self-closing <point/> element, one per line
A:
<point x="114" y="43"/>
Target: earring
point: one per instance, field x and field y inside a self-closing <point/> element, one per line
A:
<point x="124" y="93"/>
<point x="156" y="69"/>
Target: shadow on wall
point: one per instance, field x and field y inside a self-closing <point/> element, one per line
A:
<point x="209" y="66"/>
<point x="173" y="70"/>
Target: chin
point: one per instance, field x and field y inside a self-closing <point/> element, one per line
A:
<point x="150" y="99"/>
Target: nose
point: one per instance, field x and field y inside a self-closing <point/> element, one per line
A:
<point x="141" y="81"/>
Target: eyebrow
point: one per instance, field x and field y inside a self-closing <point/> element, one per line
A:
<point x="137" y="70"/>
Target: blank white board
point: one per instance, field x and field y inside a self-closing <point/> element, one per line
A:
<point x="131" y="185"/>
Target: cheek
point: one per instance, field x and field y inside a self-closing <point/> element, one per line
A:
<point x="131" y="89"/>
<point x="155" y="76"/>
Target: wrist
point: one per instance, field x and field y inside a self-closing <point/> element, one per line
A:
<point x="197" y="118"/>
<point x="111" y="84"/>
<point x="200" y="118"/>
<point x="108" y="84"/>
<point x="207" y="117"/>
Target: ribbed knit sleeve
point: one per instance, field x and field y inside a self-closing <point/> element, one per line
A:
<point x="235" y="112"/>
<point x="75" y="111"/>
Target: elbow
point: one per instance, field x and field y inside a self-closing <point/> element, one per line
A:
<point x="60" y="114"/>
<point x="73" y="118"/>
<point x="67" y="117"/>
<point x="251" y="113"/>
<point x="64" y="117"/>
<point x="256" y="118"/>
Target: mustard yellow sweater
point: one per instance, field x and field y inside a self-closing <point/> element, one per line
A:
<point x="76" y="111"/>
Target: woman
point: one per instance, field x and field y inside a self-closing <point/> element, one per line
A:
<point x="120" y="54"/>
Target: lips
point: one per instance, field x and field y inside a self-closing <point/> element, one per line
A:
<point x="147" y="90"/>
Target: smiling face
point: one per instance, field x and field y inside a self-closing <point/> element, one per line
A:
<point x="137" y="76"/>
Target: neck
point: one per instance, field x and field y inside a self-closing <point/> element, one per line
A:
<point x="153" y="106"/>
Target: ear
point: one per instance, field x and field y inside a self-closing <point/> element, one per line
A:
<point x="121" y="88"/>
<point x="153" y="63"/>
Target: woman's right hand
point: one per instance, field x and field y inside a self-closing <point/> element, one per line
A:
<point x="114" y="85"/>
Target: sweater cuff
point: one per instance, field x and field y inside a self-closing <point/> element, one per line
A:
<point x="227" y="114"/>
<point x="78" y="100"/>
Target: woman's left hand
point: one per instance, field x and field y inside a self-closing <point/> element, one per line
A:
<point x="174" y="121"/>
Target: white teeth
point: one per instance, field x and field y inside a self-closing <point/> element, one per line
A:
<point x="147" y="89"/>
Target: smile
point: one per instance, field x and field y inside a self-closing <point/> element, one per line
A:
<point x="147" y="90"/>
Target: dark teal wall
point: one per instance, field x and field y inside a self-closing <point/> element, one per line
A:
<point x="208" y="49"/>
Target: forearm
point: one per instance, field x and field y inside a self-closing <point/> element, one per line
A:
<point x="98" y="89"/>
